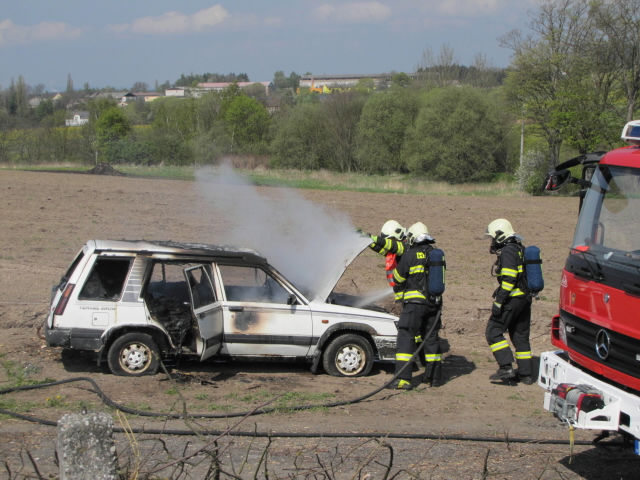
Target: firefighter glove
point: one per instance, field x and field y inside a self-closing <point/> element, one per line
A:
<point x="496" y="310"/>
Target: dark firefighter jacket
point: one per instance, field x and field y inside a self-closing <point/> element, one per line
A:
<point x="392" y="249"/>
<point x="386" y="245"/>
<point x="411" y="275"/>
<point x="509" y="269"/>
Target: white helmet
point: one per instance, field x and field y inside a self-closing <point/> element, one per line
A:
<point x="393" y="229"/>
<point x="418" y="233"/>
<point x="500" y="230"/>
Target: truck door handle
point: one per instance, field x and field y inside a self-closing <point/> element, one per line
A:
<point x="632" y="288"/>
<point x="236" y="309"/>
<point x="582" y="272"/>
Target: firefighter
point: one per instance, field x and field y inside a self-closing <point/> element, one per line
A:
<point x="511" y="309"/>
<point x="390" y="243"/>
<point x="420" y="310"/>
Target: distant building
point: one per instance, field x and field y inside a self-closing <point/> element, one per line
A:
<point x="79" y="118"/>
<point x="34" y="102"/>
<point x="147" y="96"/>
<point x="269" y="87"/>
<point x="331" y="81"/>
<point x="175" y="92"/>
<point x="121" y="97"/>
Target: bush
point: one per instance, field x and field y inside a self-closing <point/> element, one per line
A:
<point x="171" y="150"/>
<point x="533" y="172"/>
<point x="128" y="152"/>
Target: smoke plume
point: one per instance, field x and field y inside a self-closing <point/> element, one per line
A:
<point x="309" y="244"/>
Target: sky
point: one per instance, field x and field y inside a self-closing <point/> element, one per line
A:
<point x="117" y="43"/>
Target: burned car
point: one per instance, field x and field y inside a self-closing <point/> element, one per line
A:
<point x="137" y="302"/>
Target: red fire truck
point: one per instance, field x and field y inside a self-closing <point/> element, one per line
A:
<point x="593" y="380"/>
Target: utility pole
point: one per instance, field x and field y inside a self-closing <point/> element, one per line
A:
<point x="522" y="137"/>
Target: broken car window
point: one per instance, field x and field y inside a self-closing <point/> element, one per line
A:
<point x="251" y="284"/>
<point x="106" y="280"/>
<point x="70" y="270"/>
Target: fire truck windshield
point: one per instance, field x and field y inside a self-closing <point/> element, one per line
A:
<point x="609" y="223"/>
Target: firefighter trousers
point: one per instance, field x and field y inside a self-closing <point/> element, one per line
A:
<point x="417" y="319"/>
<point x="515" y="319"/>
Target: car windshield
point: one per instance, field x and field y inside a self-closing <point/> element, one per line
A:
<point x="609" y="223"/>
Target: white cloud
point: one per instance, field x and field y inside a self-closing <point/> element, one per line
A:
<point x="353" y="12"/>
<point x="12" y="34"/>
<point x="175" y="22"/>
<point x="469" y="8"/>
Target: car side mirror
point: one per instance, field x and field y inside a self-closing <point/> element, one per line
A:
<point x="292" y="299"/>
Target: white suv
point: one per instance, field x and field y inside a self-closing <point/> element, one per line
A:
<point x="135" y="302"/>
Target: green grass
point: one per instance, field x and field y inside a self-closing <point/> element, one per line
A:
<point x="282" y="404"/>
<point x="501" y="185"/>
<point x="19" y="376"/>
<point x="16" y="406"/>
<point x="515" y="397"/>
<point x="57" y="401"/>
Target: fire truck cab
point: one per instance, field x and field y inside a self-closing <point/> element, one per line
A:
<point x="593" y="380"/>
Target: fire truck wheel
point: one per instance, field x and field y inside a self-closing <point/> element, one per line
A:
<point x="348" y="355"/>
<point x="134" y="355"/>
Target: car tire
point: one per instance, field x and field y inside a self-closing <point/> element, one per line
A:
<point x="134" y="355"/>
<point x="348" y="355"/>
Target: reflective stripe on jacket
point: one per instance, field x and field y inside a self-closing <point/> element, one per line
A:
<point x="411" y="274"/>
<point x="509" y="271"/>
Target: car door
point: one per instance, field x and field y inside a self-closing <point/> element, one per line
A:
<point x="261" y="315"/>
<point x="207" y="310"/>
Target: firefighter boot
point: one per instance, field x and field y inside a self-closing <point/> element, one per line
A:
<point x="431" y="382"/>
<point x="400" y="385"/>
<point x="527" y="379"/>
<point x="505" y="372"/>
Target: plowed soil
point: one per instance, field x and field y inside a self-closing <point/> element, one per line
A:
<point x="47" y="217"/>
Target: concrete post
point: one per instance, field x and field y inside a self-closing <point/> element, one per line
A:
<point x="86" y="448"/>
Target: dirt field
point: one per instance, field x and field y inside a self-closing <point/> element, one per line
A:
<point x="47" y="217"/>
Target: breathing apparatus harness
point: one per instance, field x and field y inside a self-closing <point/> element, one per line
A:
<point x="531" y="279"/>
<point x="431" y="280"/>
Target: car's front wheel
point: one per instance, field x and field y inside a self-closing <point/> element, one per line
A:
<point x="349" y="355"/>
<point x="134" y="355"/>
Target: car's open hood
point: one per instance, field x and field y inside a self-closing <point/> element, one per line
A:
<point x="335" y="271"/>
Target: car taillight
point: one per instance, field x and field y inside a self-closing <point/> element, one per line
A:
<point x="64" y="299"/>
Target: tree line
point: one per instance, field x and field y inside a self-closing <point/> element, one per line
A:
<point x="448" y="133"/>
<point x="574" y="79"/>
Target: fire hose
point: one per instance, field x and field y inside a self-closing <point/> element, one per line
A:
<point x="109" y="402"/>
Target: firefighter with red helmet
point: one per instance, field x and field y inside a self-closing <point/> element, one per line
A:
<point x="511" y="309"/>
<point x="420" y="310"/>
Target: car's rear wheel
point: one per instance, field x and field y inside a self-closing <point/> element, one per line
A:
<point x="349" y="355"/>
<point x="134" y="355"/>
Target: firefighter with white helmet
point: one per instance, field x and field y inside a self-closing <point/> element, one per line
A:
<point x="511" y="309"/>
<point x="420" y="309"/>
<point x="390" y="244"/>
